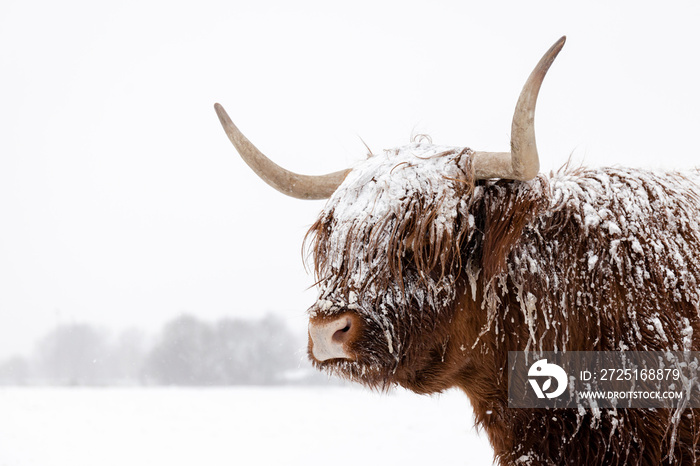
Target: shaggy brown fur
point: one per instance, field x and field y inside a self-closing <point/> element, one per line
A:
<point x="580" y="261"/>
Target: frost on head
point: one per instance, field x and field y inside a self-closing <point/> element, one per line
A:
<point x="387" y="244"/>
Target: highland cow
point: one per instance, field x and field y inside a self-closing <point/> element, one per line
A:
<point x="433" y="262"/>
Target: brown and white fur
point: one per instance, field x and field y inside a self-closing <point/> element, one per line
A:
<point x="428" y="277"/>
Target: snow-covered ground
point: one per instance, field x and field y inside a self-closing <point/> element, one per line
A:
<point x="235" y="426"/>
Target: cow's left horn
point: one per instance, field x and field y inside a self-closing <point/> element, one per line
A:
<point x="284" y="181"/>
<point x="522" y="162"/>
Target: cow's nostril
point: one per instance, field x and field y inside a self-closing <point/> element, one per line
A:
<point x="341" y="335"/>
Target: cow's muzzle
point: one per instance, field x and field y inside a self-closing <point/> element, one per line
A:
<point x="330" y="337"/>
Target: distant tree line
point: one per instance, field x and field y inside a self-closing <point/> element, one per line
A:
<point x="188" y="352"/>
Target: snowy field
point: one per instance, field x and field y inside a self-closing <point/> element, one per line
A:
<point x="235" y="426"/>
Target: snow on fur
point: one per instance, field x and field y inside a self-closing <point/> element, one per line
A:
<point x="448" y="273"/>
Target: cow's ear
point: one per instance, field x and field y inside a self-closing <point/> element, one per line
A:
<point x="509" y="207"/>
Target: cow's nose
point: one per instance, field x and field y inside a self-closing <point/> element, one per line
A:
<point x="329" y="337"/>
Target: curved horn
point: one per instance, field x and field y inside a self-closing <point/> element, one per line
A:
<point x="284" y="181"/>
<point x="522" y="162"/>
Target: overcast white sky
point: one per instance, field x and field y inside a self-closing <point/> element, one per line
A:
<point x="122" y="202"/>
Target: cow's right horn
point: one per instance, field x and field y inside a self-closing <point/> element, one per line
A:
<point x="284" y="181"/>
<point x="522" y="162"/>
